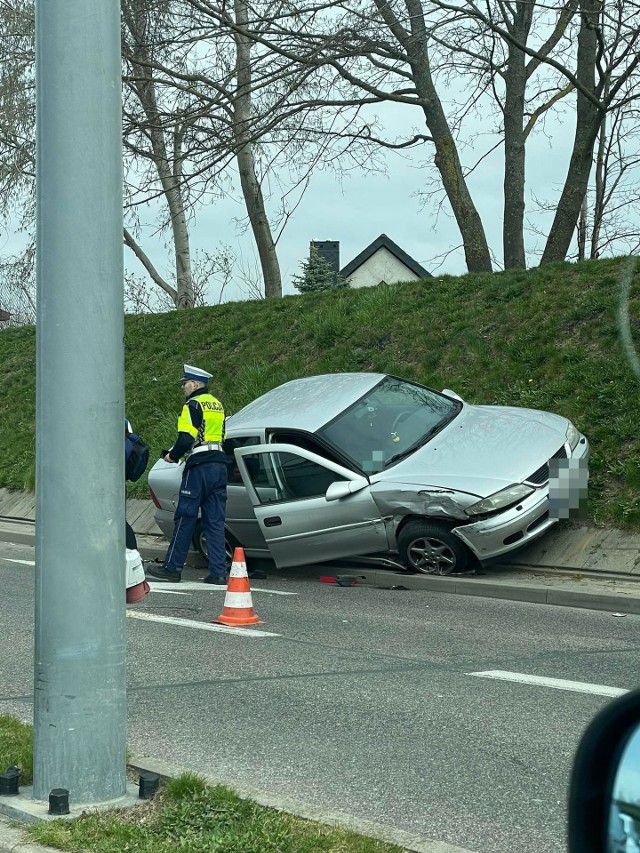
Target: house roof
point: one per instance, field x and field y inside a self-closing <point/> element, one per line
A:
<point x="383" y="242"/>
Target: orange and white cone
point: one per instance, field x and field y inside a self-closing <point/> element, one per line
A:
<point x="136" y="583"/>
<point x="238" y="606"/>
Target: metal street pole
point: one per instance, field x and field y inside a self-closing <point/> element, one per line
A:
<point x="79" y="672"/>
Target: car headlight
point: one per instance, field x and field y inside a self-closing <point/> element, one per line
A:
<point x="572" y="436"/>
<point x="500" y="500"/>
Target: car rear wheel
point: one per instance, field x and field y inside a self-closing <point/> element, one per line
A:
<point x="431" y="548"/>
<point x="230" y="542"/>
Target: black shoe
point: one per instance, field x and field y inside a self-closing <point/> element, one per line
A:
<point x="215" y="579"/>
<point x="256" y="574"/>
<point x="159" y="573"/>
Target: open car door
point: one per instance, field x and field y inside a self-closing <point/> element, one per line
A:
<point x="309" y="509"/>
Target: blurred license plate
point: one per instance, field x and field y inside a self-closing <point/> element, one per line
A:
<point x="568" y="484"/>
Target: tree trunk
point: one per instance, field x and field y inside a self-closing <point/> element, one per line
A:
<point x="589" y="118"/>
<point x="169" y="169"/>
<point x="251" y="189"/>
<point x="447" y="161"/>
<point x="514" y="164"/>
<point x="184" y="280"/>
<point x="582" y="230"/>
<point x="515" y="79"/>
<point x="600" y="184"/>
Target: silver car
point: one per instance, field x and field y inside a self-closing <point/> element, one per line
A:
<point x="351" y="465"/>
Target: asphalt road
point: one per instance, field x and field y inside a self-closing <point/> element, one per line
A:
<point x="365" y="700"/>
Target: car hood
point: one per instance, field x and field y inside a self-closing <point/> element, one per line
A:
<point x="485" y="449"/>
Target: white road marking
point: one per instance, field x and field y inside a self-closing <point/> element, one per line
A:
<point x="557" y="683"/>
<point x="182" y="588"/>
<point x="177" y="588"/>
<point x="188" y="586"/>
<point x="160" y="588"/>
<point x="272" y="591"/>
<point x="202" y="626"/>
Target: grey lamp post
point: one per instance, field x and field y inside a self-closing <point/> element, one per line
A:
<point x="79" y="678"/>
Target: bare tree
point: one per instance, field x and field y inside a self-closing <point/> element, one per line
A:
<point x="521" y="87"/>
<point x="601" y="70"/>
<point x="17" y="158"/>
<point x="362" y="55"/>
<point x="606" y="66"/>
<point x="17" y="291"/>
<point x="589" y="116"/>
<point x="209" y="270"/>
<point x="611" y="208"/>
<point x="167" y="127"/>
<point x="17" y="111"/>
<point x="157" y="136"/>
<point x="245" y="102"/>
<point x="242" y="126"/>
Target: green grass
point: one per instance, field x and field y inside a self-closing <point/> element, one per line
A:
<point x="16" y="748"/>
<point x="187" y="814"/>
<point x="545" y="338"/>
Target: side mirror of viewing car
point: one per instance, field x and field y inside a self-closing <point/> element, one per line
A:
<point x="604" y="792"/>
<point x="344" y="488"/>
<point x="449" y="393"/>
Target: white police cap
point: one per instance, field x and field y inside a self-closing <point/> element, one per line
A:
<point x="191" y="372"/>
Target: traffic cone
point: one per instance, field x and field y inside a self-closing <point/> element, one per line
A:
<point x="238" y="607"/>
<point x="136" y="584"/>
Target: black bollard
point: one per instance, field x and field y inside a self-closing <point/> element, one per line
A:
<point x="9" y="782"/>
<point x="149" y="784"/>
<point x="59" y="801"/>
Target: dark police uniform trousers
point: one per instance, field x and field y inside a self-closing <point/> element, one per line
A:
<point x="204" y="487"/>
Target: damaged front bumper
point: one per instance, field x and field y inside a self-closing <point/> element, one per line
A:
<point x="511" y="529"/>
<point x="521" y="524"/>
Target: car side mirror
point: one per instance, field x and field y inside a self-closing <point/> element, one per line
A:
<point x="449" y="393"/>
<point x="604" y="793"/>
<point x="344" y="488"/>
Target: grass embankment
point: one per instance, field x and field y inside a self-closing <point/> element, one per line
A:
<point x="187" y="814"/>
<point x="16" y="747"/>
<point x="545" y="338"/>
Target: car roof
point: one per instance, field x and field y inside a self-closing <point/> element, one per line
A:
<point x="304" y="404"/>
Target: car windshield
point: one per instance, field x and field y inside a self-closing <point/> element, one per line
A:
<point x="388" y="423"/>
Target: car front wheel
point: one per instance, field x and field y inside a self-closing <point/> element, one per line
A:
<point x="431" y="548"/>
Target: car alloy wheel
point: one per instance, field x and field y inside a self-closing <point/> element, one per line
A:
<point x="430" y="547"/>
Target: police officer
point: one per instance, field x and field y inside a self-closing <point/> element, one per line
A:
<point x="201" y="432"/>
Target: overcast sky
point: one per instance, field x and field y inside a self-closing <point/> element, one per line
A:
<point x="364" y="205"/>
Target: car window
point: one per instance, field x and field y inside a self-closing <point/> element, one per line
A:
<point x="303" y="478"/>
<point x="306" y="441"/>
<point x="229" y="445"/>
<point x="286" y="477"/>
<point x="388" y="421"/>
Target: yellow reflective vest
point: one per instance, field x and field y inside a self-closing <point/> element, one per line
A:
<point x="212" y="426"/>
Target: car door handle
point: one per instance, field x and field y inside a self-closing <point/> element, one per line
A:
<point x="272" y="521"/>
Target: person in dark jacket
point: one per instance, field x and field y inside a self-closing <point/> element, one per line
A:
<point x="136" y="585"/>
<point x="130" y="537"/>
<point x="201" y="431"/>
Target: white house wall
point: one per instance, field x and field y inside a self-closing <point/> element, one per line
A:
<point x="381" y="266"/>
